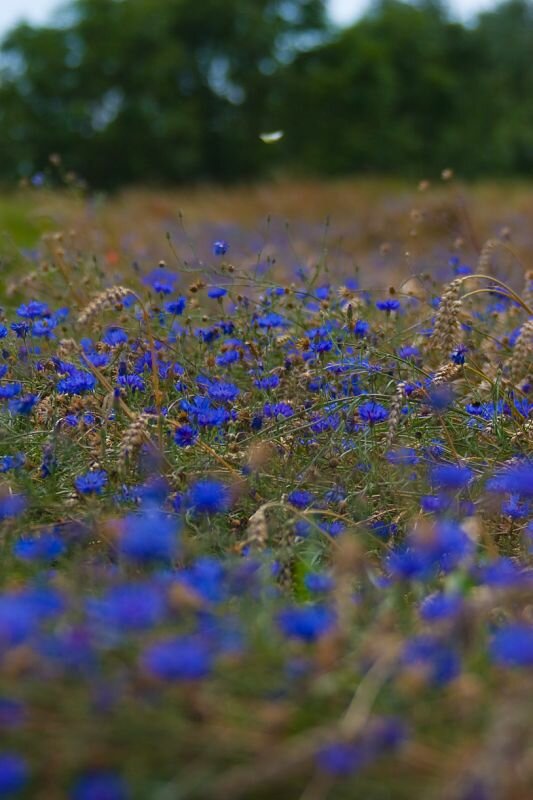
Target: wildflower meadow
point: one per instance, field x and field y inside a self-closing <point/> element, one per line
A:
<point x="266" y="494"/>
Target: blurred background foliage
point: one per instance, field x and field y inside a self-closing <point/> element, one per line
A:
<point x="178" y="91"/>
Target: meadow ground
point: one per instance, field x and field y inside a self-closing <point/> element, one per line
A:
<point x="266" y="489"/>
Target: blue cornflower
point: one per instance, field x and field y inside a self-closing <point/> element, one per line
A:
<point x="441" y="606"/>
<point x="99" y="785"/>
<point x="217" y="292"/>
<point x="432" y="654"/>
<point x="451" y="476"/>
<point x="372" y="412"/>
<point x="341" y="759"/>
<point x="300" y="498"/>
<point x="20" y="329"/>
<point x="133" y="382"/>
<point x="14" y="773"/>
<point x="77" y="382"/>
<point x="161" y="280"/>
<point x="150" y="536"/>
<point x="182" y="658"/>
<point x="92" y="482"/>
<point x="33" y="310"/>
<point x="512" y="645"/>
<point x="383" y="529"/>
<point x="271" y="320"/>
<point x="220" y="247"/>
<point x="515" y="508"/>
<point x="8" y="463"/>
<point x="133" y="607"/>
<point x="185" y="436"/>
<point x="361" y="328"/>
<point x="176" y="307"/>
<point x="409" y="352"/>
<point x="388" y="305"/>
<point x="224" y="392"/>
<point x="425" y="553"/>
<point x="306" y="623"/>
<point x="405" y="456"/>
<point x="268" y="382"/>
<point x="278" y="410"/>
<point x="514" y="479"/>
<point x="458" y="355"/>
<point x="22" y="405"/>
<point x="3" y="331"/>
<point x="114" y="336"/>
<point x="11" y="505"/>
<point x="319" y="583"/>
<point x="209" y="496"/>
<point x="46" y="547"/>
<point x="10" y="390"/>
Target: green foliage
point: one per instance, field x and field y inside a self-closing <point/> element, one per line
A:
<point x="169" y="91"/>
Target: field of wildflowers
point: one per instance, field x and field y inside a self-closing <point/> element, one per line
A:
<point x="267" y="496"/>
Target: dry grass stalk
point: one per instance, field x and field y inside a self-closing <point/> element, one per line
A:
<point x="105" y="300"/>
<point x="257" y="529"/>
<point x="521" y="361"/>
<point x="447" y="331"/>
<point x="395" y="414"/>
<point x="446" y="373"/>
<point x="485" y="257"/>
<point x="132" y="440"/>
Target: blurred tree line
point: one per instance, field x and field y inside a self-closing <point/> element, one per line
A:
<point x="163" y="91"/>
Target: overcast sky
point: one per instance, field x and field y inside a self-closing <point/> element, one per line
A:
<point x="12" y="11"/>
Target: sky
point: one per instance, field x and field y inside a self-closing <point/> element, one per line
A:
<point x="342" y="11"/>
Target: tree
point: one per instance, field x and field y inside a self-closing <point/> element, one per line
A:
<point x="150" y="90"/>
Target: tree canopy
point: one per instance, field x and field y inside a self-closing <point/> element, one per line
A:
<point x="162" y="91"/>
